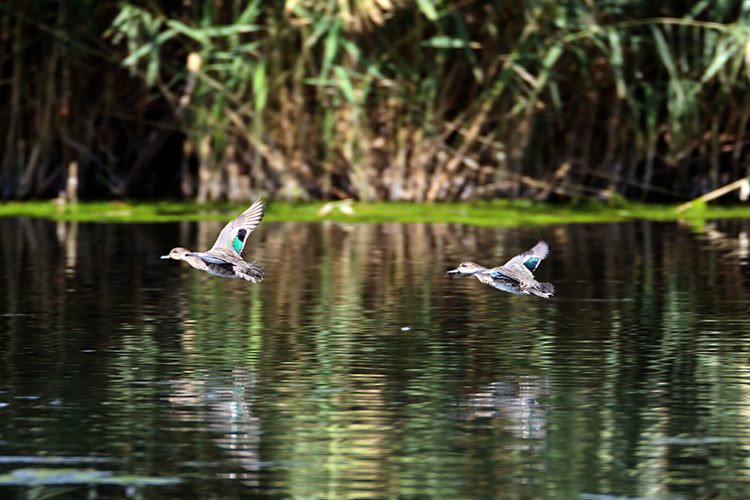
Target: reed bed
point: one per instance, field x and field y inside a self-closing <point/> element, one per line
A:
<point x="419" y="100"/>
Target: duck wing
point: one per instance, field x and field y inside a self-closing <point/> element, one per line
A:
<point x="531" y="258"/>
<point x="235" y="233"/>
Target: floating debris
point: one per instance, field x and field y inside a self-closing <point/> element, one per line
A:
<point x="691" y="441"/>
<point x="56" y="477"/>
<point x="25" y="459"/>
<point x="343" y="206"/>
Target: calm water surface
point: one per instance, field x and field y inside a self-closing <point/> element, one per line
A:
<point x="359" y="369"/>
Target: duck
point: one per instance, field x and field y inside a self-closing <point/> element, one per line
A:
<point x="224" y="258"/>
<point x="515" y="276"/>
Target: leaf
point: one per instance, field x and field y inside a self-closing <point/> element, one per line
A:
<point x="554" y="92"/>
<point x="234" y="29"/>
<point x="345" y="84"/>
<point x="664" y="53"/>
<point x="137" y="54"/>
<point x="250" y="13"/>
<point x="552" y="55"/>
<point x="152" y="71"/>
<point x="428" y="9"/>
<point x="186" y="30"/>
<point x="260" y="87"/>
<point x="330" y="49"/>
<point x="721" y="57"/>
<point x="616" y="59"/>
<point x="320" y="82"/>
<point x="446" y="42"/>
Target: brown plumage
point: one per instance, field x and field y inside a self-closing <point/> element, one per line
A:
<point x="224" y="259"/>
<point x="515" y="276"/>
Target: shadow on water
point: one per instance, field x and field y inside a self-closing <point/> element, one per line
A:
<point x="358" y="369"/>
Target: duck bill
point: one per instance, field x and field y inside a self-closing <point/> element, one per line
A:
<point x="455" y="273"/>
<point x="165" y="257"/>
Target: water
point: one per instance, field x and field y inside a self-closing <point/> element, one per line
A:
<point x="359" y="369"/>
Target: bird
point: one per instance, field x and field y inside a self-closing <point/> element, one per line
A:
<point x="224" y="258"/>
<point x="515" y="276"/>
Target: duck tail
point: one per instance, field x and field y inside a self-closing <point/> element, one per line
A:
<point x="250" y="271"/>
<point x="545" y="290"/>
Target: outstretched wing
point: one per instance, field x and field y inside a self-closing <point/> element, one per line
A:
<point x="235" y="233"/>
<point x="530" y="259"/>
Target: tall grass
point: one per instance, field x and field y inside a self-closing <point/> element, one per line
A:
<point x="376" y="99"/>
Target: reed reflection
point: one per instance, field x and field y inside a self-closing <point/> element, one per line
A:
<point x="357" y="368"/>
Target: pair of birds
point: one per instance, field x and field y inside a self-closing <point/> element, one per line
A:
<point x="225" y="259"/>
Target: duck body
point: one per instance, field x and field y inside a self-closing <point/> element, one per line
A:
<point x="224" y="258"/>
<point x="219" y="264"/>
<point x="515" y="276"/>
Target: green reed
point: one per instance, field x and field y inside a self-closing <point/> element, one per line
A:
<point x="378" y="99"/>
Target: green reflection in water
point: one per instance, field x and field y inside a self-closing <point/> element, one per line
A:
<point x="358" y="369"/>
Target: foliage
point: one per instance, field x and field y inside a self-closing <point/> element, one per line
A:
<point x="377" y="99"/>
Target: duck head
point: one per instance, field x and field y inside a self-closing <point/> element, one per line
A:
<point x="177" y="253"/>
<point x="466" y="269"/>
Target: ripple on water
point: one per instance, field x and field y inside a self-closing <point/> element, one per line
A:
<point x="357" y="368"/>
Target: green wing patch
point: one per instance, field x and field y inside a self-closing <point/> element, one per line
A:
<point x="239" y="241"/>
<point x="531" y="263"/>
<point x="237" y="244"/>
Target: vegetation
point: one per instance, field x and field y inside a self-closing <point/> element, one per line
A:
<point x="374" y="99"/>
<point x="481" y="213"/>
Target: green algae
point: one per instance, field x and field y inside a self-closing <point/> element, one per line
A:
<point x="485" y="213"/>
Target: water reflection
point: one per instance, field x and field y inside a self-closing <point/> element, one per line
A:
<point x="517" y="403"/>
<point x="358" y="370"/>
<point x="735" y="246"/>
<point x="226" y="411"/>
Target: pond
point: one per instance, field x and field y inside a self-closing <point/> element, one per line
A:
<point x="359" y="369"/>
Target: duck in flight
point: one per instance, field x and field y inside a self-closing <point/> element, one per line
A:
<point x="515" y="276"/>
<point x="224" y="258"/>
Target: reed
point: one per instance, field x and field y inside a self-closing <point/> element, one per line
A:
<point x="374" y="99"/>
